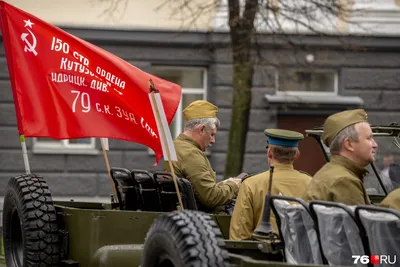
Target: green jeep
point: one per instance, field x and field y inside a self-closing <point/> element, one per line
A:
<point x="145" y="228"/>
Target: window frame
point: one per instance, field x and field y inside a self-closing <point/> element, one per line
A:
<point x="306" y="93"/>
<point x="64" y="147"/>
<point x="188" y="90"/>
<point x="192" y="90"/>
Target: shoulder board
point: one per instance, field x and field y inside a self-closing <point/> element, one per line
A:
<point x="306" y="173"/>
<point x="250" y="175"/>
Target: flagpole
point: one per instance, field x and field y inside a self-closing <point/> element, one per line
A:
<point x="25" y="154"/>
<point x="108" y="170"/>
<point x="162" y="131"/>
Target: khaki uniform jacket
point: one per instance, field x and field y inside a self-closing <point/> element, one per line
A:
<point x="392" y="200"/>
<point x="339" y="180"/>
<point x="193" y="165"/>
<point x="249" y="206"/>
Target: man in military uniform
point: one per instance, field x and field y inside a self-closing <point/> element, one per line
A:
<point x="392" y="200"/>
<point x="199" y="133"/>
<point x="282" y="151"/>
<point x="352" y="147"/>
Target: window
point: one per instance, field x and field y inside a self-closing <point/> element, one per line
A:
<point x="194" y="87"/>
<point x="70" y="146"/>
<point x="297" y="81"/>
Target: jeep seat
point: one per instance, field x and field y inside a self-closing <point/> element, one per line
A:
<point x="382" y="226"/>
<point x="339" y="233"/>
<point x="168" y="195"/>
<point x="148" y="190"/>
<point x="126" y="189"/>
<point x="296" y="229"/>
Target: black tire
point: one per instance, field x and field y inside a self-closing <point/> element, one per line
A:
<point x="184" y="238"/>
<point x="30" y="228"/>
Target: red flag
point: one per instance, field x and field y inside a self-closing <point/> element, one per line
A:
<point x="65" y="87"/>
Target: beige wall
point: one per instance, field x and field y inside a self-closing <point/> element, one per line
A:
<point x="127" y="14"/>
<point x="377" y="17"/>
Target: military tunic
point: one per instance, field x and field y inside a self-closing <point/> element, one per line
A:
<point x="193" y="165"/>
<point x="249" y="205"/>
<point x="340" y="180"/>
<point x="392" y="200"/>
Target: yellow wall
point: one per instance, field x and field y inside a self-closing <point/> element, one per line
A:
<point x="126" y="14"/>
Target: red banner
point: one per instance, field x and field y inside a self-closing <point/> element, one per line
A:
<point x="65" y="87"/>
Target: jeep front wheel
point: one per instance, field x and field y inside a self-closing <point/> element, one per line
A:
<point x="184" y="238"/>
<point x="30" y="229"/>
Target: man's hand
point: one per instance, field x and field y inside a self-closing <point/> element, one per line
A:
<point x="235" y="180"/>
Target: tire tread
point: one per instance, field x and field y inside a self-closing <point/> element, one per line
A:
<point x="196" y="235"/>
<point x="39" y="220"/>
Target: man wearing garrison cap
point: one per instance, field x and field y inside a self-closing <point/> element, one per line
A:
<point x="352" y="147"/>
<point x="199" y="133"/>
<point x="282" y="151"/>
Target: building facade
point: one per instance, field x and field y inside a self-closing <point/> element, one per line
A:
<point x="296" y="85"/>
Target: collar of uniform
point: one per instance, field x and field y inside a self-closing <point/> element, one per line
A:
<point x="186" y="138"/>
<point x="350" y="165"/>
<point x="283" y="166"/>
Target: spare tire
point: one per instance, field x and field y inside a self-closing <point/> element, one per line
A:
<point x="184" y="238"/>
<point x="30" y="230"/>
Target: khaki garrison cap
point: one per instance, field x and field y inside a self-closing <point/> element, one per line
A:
<point x="283" y="137"/>
<point x="335" y="123"/>
<point x="200" y="109"/>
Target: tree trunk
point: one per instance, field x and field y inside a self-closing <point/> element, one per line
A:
<point x="242" y="83"/>
<point x="241" y="31"/>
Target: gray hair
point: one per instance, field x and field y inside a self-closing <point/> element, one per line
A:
<point x="209" y="123"/>
<point x="349" y="132"/>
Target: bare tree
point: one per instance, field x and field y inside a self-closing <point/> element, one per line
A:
<point x="245" y="20"/>
<point x="241" y="32"/>
<point x="113" y="10"/>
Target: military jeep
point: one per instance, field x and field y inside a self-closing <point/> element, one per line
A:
<point x="144" y="227"/>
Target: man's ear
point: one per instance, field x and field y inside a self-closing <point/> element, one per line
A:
<point x="269" y="153"/>
<point x="297" y="154"/>
<point x="347" y="144"/>
<point x="202" y="128"/>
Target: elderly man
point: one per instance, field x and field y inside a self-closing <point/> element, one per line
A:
<point x="352" y="147"/>
<point x="282" y="152"/>
<point x="199" y="133"/>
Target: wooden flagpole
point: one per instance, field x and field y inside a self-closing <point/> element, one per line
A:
<point x="153" y="90"/>
<point x="25" y="154"/>
<point x="109" y="171"/>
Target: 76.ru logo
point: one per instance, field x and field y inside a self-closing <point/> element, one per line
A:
<point x="374" y="259"/>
